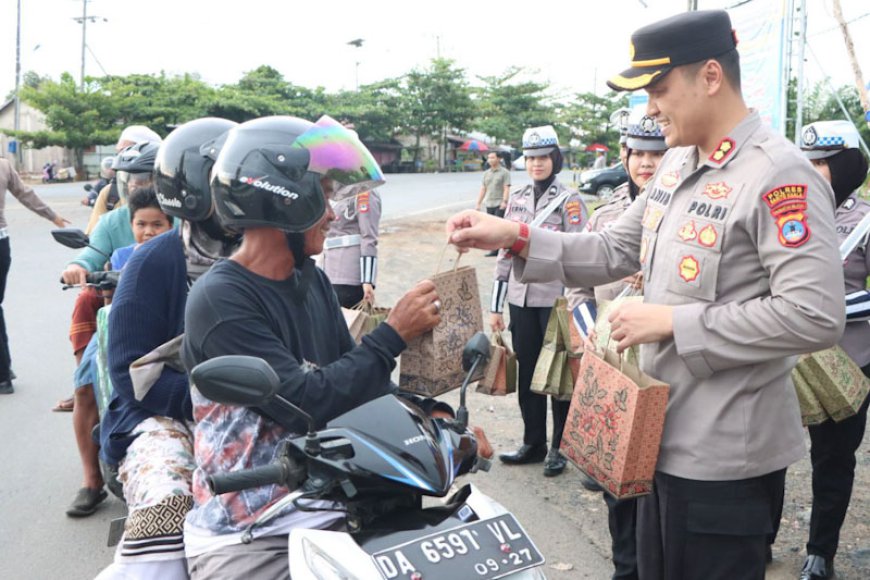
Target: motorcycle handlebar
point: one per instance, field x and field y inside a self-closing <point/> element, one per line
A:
<point x="274" y="473"/>
<point x="102" y="279"/>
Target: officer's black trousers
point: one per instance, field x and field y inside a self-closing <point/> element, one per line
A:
<point x="5" y="263"/>
<point x="832" y="452"/>
<point x="496" y="211"/>
<point x="528" y="326"/>
<point x="348" y="296"/>
<point x="622" y="520"/>
<point x="706" y="530"/>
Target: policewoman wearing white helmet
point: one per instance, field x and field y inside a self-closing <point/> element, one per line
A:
<point x="547" y="204"/>
<point x="832" y="147"/>
<point x="350" y="253"/>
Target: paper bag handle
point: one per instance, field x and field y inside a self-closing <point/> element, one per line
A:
<point x="441" y="259"/>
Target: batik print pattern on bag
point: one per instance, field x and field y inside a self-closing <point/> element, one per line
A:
<point x="615" y="423"/>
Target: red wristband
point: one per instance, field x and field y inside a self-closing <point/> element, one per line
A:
<point x="522" y="240"/>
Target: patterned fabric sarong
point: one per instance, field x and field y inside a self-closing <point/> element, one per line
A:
<point x="156" y="474"/>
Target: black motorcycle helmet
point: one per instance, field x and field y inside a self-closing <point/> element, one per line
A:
<point x="135" y="160"/>
<point x="268" y="172"/>
<point x="138" y="158"/>
<point x="183" y="167"/>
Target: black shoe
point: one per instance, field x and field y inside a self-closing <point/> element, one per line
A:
<point x="525" y="454"/>
<point x="86" y="502"/>
<point x="817" y="568"/>
<point x="6" y="388"/>
<point x="492" y="253"/>
<point x="554" y="464"/>
<point x="589" y="483"/>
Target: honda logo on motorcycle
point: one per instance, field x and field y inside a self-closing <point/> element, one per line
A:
<point x="413" y="440"/>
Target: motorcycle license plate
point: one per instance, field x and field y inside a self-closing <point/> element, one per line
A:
<point x="485" y="549"/>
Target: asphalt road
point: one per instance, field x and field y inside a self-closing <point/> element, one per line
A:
<point x="40" y="471"/>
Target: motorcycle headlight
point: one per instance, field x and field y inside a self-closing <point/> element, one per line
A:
<point x="322" y="565"/>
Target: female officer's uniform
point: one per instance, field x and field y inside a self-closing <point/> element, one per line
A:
<point x="530" y="304"/>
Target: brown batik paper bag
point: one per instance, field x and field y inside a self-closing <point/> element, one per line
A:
<point x="432" y="363"/>
<point x="615" y="423"/>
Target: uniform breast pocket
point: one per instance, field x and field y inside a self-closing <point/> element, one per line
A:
<point x="694" y="272"/>
<point x="553" y="222"/>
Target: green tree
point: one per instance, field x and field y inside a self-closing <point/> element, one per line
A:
<point x="264" y="91"/>
<point x="374" y="110"/>
<point x="76" y="118"/>
<point x="436" y="100"/>
<point x="587" y="119"/>
<point x="157" y="101"/>
<point x="506" y="107"/>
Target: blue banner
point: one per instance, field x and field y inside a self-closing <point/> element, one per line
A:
<point x="761" y="35"/>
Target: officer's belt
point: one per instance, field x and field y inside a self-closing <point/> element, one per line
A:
<point x="342" y="241"/>
<point x="4" y="233"/>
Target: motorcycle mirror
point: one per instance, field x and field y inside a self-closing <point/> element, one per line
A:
<point x="477" y="346"/>
<point x="475" y="355"/>
<point x="71" y="238"/>
<point x="245" y="381"/>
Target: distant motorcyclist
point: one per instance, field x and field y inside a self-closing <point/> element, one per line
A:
<point x="107" y="178"/>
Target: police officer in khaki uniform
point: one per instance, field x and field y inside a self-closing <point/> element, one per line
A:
<point x="735" y="236"/>
<point x="832" y="147"/>
<point x="561" y="210"/>
<point x="350" y="254"/>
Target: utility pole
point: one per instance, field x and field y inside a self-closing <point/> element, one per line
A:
<point x="856" y="68"/>
<point x="692" y="5"/>
<point x="799" y="113"/>
<point x="84" y="38"/>
<point x="358" y="42"/>
<point x="83" y="20"/>
<point x="18" y="88"/>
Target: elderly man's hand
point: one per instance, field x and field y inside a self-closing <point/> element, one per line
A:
<point x="417" y="312"/>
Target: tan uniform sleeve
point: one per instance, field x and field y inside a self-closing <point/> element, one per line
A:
<point x="805" y="310"/>
<point x="27" y="197"/>
<point x="585" y="258"/>
<point x="369" y="222"/>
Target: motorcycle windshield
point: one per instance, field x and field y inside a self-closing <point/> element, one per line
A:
<point x="395" y="441"/>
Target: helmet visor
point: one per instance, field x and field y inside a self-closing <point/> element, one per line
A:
<point x="336" y="152"/>
<point x="123" y="180"/>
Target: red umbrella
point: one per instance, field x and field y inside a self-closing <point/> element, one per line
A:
<point x="473" y="145"/>
<point x="597" y="147"/>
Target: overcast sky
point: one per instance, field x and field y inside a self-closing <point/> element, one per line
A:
<point x="572" y="44"/>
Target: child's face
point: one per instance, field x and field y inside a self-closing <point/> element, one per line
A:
<point x="149" y="222"/>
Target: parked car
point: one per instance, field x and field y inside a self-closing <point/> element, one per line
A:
<point x="519" y="163"/>
<point x="602" y="182"/>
